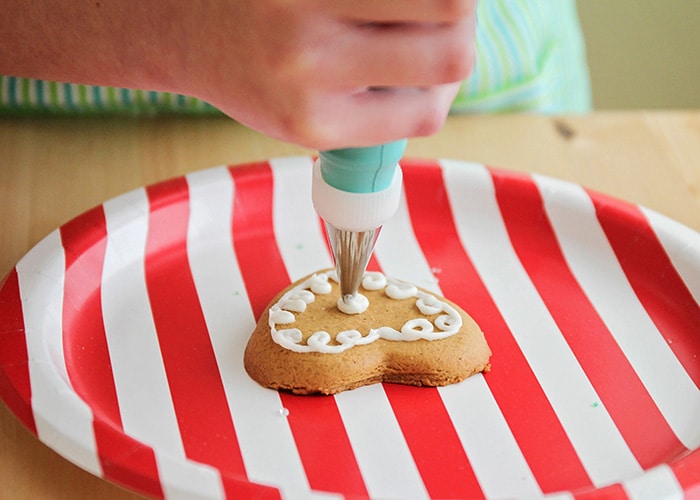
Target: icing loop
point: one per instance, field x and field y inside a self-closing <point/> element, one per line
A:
<point x="295" y="305"/>
<point x="446" y="322"/>
<point x="288" y="337"/>
<point x="321" y="341"/>
<point x="319" y="284"/>
<point x="355" y="338"/>
<point x="388" y="333"/>
<point x="416" y="328"/>
<point x="398" y="290"/>
<point x="373" y="281"/>
<point x="355" y="305"/>
<point x="304" y="295"/>
<point x="277" y="315"/>
<point x="296" y="301"/>
<point x="428" y="304"/>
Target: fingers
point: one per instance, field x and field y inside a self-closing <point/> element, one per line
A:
<point x="328" y="74"/>
<point x="423" y="43"/>
<point x="371" y="117"/>
<point x="411" y="55"/>
<point x="400" y="11"/>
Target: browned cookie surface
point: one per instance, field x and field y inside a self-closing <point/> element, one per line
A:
<point x="416" y="362"/>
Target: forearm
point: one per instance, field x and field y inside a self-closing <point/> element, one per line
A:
<point x="99" y="42"/>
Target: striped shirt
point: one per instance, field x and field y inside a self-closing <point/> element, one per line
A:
<point x="530" y="57"/>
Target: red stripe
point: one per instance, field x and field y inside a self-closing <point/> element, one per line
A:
<point x="622" y="392"/>
<point x="534" y="424"/>
<point x="239" y="487"/>
<point x="611" y="492"/>
<point x="653" y="277"/>
<point x="687" y="471"/>
<point x="433" y="441"/>
<point x="373" y="264"/>
<point x="127" y="461"/>
<point x="258" y="257"/>
<point x="15" y="388"/>
<point x="445" y="469"/>
<point x="323" y="444"/>
<point x="319" y="433"/>
<point x="197" y="391"/>
<point x="84" y="241"/>
<point x="123" y="460"/>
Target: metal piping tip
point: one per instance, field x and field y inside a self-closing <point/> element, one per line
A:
<point x="351" y="251"/>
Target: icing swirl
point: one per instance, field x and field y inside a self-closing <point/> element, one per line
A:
<point x="296" y="300"/>
<point x="354" y="305"/>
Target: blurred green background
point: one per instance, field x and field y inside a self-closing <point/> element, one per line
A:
<point x="643" y="54"/>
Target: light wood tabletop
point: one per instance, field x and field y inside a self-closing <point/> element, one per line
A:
<point x="52" y="170"/>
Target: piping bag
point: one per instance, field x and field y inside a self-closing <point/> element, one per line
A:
<point x="355" y="191"/>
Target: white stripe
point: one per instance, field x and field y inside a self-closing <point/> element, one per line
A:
<point x="60" y="95"/>
<point x="656" y="483"/>
<point x="32" y="94"/>
<point x="63" y="420"/>
<point x="295" y="220"/>
<point x="682" y="245"/>
<point x="593" y="262"/>
<point x="601" y="448"/>
<point x="184" y="479"/>
<point x="562" y="495"/>
<point x="89" y="96"/>
<point x="141" y="383"/>
<point x="493" y="452"/>
<point x="383" y="456"/>
<point x="102" y="95"/>
<point x="366" y="412"/>
<point x="271" y="456"/>
<point x="400" y="254"/>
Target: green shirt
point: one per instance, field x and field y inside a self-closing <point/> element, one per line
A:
<point x="530" y="57"/>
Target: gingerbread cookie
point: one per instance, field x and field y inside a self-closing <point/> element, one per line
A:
<point x="311" y="342"/>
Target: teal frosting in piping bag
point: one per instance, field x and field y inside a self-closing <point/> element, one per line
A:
<point x="362" y="170"/>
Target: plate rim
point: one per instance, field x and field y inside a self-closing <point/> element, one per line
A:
<point x="76" y="405"/>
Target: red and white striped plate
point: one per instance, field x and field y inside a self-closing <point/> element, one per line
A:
<point x="122" y="333"/>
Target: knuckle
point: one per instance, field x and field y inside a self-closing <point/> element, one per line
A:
<point x="455" y="9"/>
<point x="294" y="63"/>
<point x="304" y="127"/>
<point x="457" y="64"/>
<point x="429" y="124"/>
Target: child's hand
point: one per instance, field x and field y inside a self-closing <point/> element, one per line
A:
<point x="320" y="73"/>
<point x="331" y="73"/>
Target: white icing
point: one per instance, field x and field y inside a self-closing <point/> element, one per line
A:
<point x="400" y="291"/>
<point x="319" y="284"/>
<point x="416" y="327"/>
<point x="373" y="281"/>
<point x="356" y="304"/>
<point x="296" y="300"/>
<point x="354" y="337"/>
<point x="428" y="304"/>
<point x="280" y="316"/>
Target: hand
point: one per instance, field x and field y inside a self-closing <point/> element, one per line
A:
<point x="320" y="73"/>
<point x="332" y="73"/>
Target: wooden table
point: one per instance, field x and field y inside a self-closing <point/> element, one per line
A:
<point x="54" y="169"/>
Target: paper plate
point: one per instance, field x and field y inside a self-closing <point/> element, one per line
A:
<point x="122" y="335"/>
